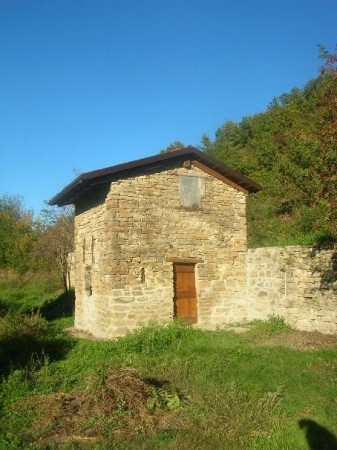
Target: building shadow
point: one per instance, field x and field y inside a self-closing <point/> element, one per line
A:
<point x="62" y="306"/>
<point x="3" y="308"/>
<point x="27" y="341"/>
<point x="318" y="437"/>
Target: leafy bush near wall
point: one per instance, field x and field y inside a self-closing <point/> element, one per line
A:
<point x="155" y="338"/>
<point x="273" y="325"/>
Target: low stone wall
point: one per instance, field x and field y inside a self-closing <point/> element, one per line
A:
<point x="297" y="283"/>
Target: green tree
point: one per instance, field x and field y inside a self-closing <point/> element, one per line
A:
<point x="56" y="241"/>
<point x="206" y="143"/>
<point x="173" y="146"/>
<point x="291" y="149"/>
<point x="17" y="234"/>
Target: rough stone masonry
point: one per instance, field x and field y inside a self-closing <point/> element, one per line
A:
<point x="295" y="282"/>
<point x="131" y="227"/>
<point x="124" y="243"/>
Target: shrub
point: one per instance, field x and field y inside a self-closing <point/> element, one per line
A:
<point x="273" y="325"/>
<point x="28" y="339"/>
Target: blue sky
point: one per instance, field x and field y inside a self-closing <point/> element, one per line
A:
<point x="89" y="84"/>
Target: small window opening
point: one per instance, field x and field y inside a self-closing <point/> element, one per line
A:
<point x="92" y="249"/>
<point x="87" y="282"/>
<point x="83" y="250"/>
<point x="142" y="275"/>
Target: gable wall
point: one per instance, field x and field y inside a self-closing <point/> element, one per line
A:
<point x="139" y="224"/>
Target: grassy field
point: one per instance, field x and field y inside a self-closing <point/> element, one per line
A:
<point x="161" y="387"/>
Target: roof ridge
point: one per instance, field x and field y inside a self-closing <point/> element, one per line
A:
<point x="66" y="195"/>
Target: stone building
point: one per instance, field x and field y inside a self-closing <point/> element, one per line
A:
<point x="159" y="238"/>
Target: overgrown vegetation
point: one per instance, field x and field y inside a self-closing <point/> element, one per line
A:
<point x="29" y="245"/>
<point x="168" y="386"/>
<point x="273" y="326"/>
<point x="27" y="341"/>
<point x="28" y="304"/>
<point x="24" y="293"/>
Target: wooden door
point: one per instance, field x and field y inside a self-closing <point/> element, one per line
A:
<point x="185" y="296"/>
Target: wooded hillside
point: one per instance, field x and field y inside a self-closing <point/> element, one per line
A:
<point x="291" y="149"/>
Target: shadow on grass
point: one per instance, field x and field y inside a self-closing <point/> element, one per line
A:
<point x="62" y="306"/>
<point x="51" y="309"/>
<point x="156" y="383"/>
<point x="31" y="354"/>
<point x="27" y="341"/>
<point x="3" y="308"/>
<point x="318" y="437"/>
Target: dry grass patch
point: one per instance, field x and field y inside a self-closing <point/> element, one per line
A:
<point x="123" y="404"/>
<point x="299" y="340"/>
<point x="276" y="332"/>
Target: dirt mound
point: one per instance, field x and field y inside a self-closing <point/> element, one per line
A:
<point x="119" y="405"/>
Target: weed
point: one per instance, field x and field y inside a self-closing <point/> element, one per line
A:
<point x="155" y="338"/>
<point x="164" y="396"/>
<point x="272" y="326"/>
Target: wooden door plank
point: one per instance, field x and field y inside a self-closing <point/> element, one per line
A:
<point x="185" y="302"/>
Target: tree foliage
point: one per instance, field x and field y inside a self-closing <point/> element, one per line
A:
<point x="31" y="245"/>
<point x="17" y="235"/>
<point x="56" y="241"/>
<point x="173" y="146"/>
<point x="291" y="149"/>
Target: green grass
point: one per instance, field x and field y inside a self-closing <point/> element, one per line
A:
<point x="273" y="326"/>
<point x="22" y="294"/>
<point x="240" y="393"/>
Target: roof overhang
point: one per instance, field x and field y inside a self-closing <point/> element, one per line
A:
<point x="89" y="180"/>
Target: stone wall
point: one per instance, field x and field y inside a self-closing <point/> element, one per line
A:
<point x="297" y="283"/>
<point x="127" y="232"/>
